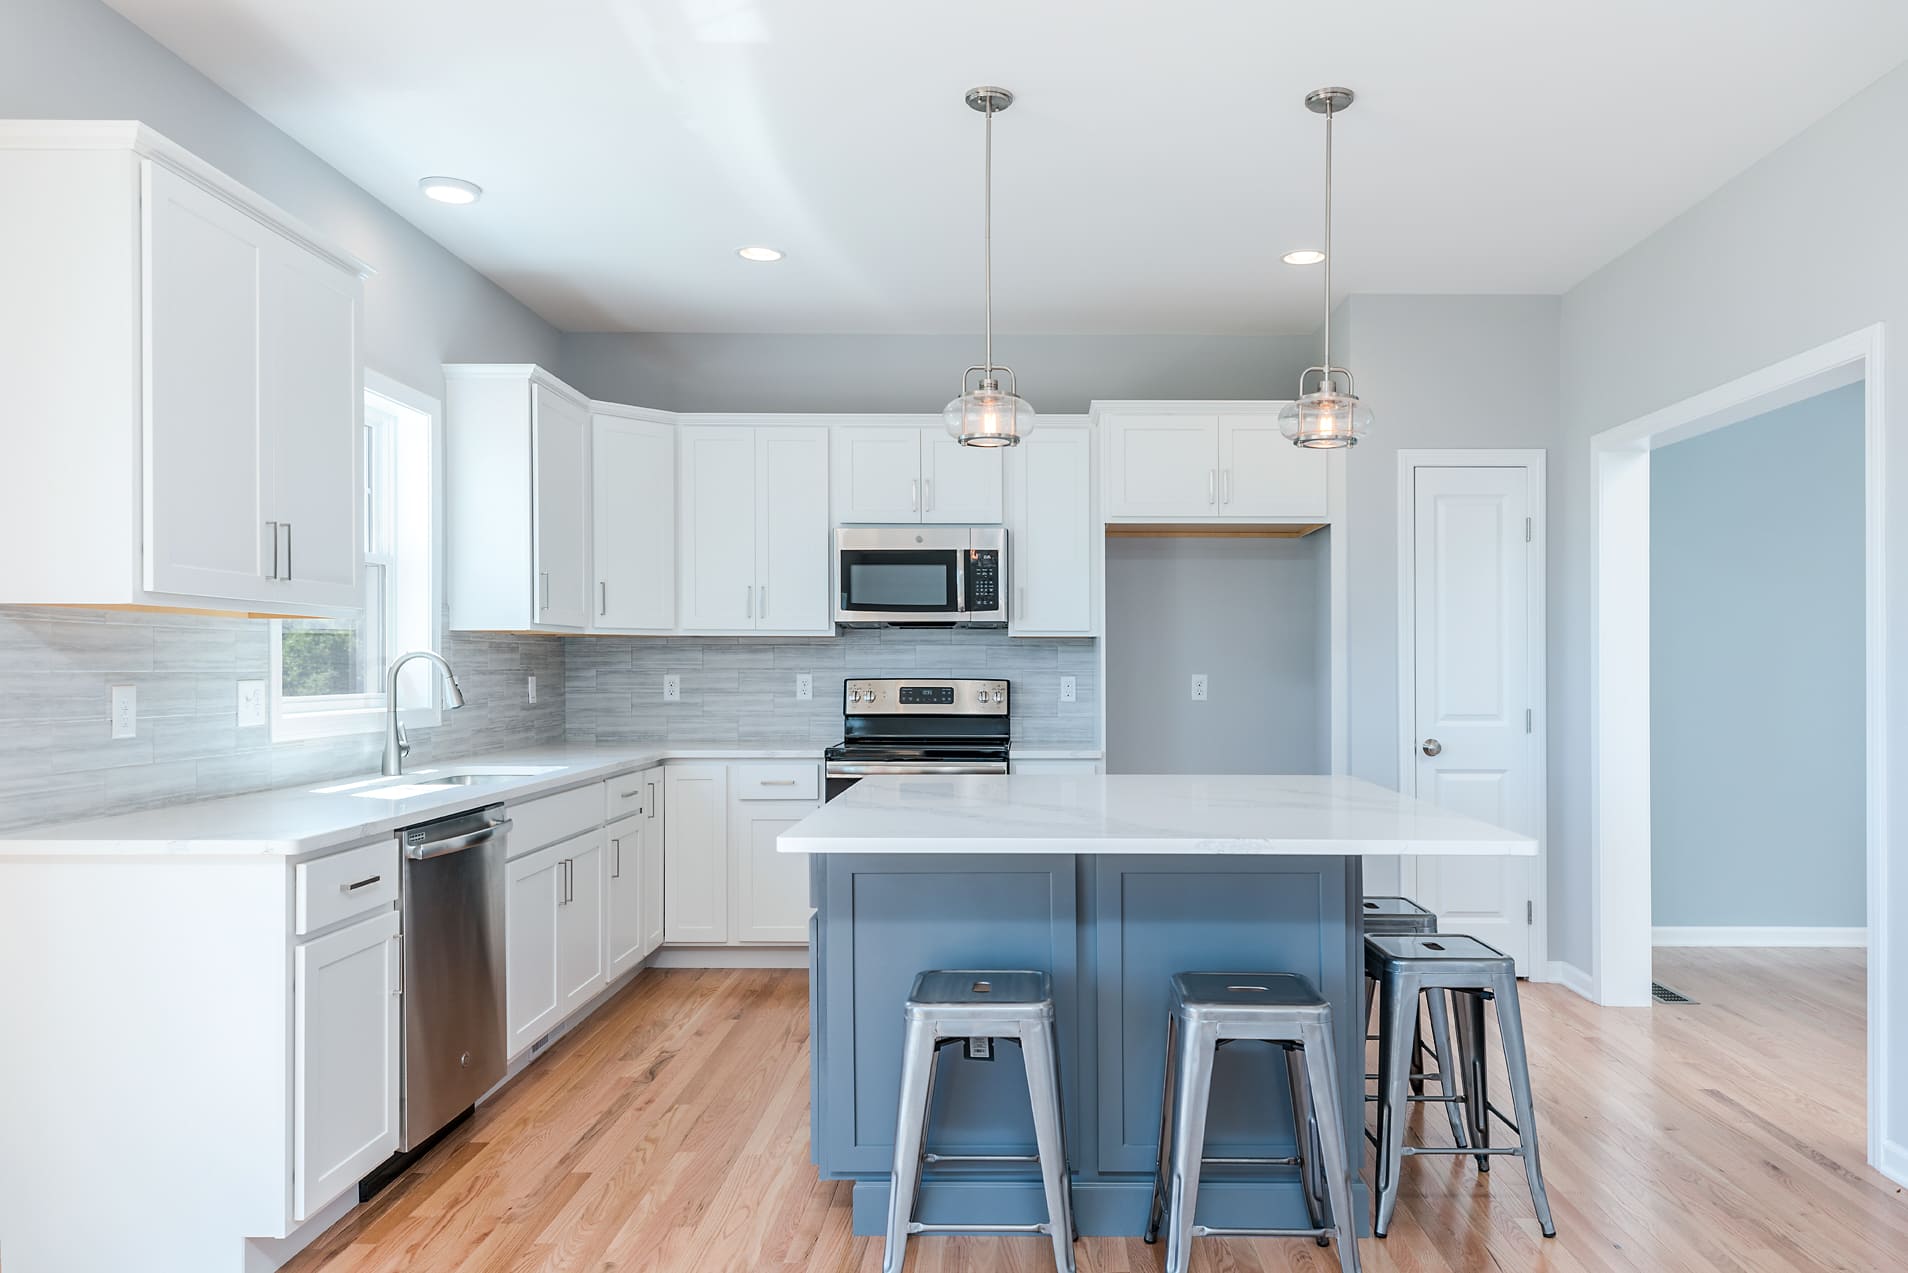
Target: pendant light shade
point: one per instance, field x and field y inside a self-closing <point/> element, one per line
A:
<point x="985" y="414"/>
<point x="1330" y="416"/>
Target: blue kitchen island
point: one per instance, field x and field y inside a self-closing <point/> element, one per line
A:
<point x="1112" y="884"/>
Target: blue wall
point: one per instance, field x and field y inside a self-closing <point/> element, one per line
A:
<point x="1757" y="693"/>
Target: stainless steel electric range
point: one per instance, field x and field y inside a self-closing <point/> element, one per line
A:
<point x="920" y="726"/>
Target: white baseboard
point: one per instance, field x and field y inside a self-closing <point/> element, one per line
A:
<point x="730" y="957"/>
<point x="1764" y="936"/>
<point x="1573" y="978"/>
<point x="1894" y="1161"/>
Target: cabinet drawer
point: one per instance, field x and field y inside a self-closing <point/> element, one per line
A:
<point x="629" y="795"/>
<point x="355" y="882"/>
<point x="548" y="819"/>
<point x="800" y="780"/>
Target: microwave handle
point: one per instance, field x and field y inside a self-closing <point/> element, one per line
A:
<point x="960" y="582"/>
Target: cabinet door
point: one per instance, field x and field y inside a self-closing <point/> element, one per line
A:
<point x="960" y="485"/>
<point x="1262" y="475"/>
<point x="791" y="472"/>
<point x="717" y="488"/>
<point x="628" y="894"/>
<point x="652" y="867"/>
<point x="558" y="428"/>
<point x="345" y="1072"/>
<point x="1052" y="533"/>
<point x="207" y="462"/>
<point x="580" y="922"/>
<point x="532" y="886"/>
<point x="696" y="857"/>
<point x="312" y="408"/>
<point x="633" y="472"/>
<point x="878" y="474"/>
<point x="1162" y="465"/>
<point x="771" y="889"/>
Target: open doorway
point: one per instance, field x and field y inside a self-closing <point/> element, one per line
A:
<point x="1634" y="694"/>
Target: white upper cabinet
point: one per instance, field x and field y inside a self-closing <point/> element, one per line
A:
<point x="912" y="473"/>
<point x="517" y="500"/>
<point x="189" y="357"/>
<point x="755" y="532"/>
<point x="1051" y="532"/>
<point x="1198" y="464"/>
<point x="633" y="545"/>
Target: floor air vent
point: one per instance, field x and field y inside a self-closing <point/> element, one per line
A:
<point x="1663" y="994"/>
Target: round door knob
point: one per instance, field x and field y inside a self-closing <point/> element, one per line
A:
<point x="1432" y="747"/>
<point x="464" y="1060"/>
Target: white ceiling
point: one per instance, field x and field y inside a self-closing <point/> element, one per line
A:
<point x="1157" y="163"/>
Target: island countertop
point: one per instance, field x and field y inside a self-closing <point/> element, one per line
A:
<point x="1140" y="813"/>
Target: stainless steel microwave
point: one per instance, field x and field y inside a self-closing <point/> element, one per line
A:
<point x="930" y="575"/>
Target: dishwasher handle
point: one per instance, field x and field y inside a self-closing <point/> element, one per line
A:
<point x="456" y="843"/>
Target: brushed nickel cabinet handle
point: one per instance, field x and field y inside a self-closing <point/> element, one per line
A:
<point x="367" y="883"/>
<point x="271" y="528"/>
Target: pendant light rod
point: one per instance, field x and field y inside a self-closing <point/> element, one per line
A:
<point x="1328" y="102"/>
<point x="988" y="100"/>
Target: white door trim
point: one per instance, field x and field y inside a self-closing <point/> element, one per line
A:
<point x="1532" y="461"/>
<point x="1619" y="678"/>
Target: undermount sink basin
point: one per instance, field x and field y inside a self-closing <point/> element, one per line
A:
<point x="423" y="782"/>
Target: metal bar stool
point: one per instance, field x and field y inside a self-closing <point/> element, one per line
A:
<point x="1209" y="1010"/>
<point x="949" y="1006"/>
<point x="1407" y="967"/>
<point x="1389" y="916"/>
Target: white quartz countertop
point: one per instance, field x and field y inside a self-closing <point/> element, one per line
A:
<point x="1140" y="813"/>
<point x="292" y="821"/>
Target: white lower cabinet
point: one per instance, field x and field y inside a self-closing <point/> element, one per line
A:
<point x="771" y="889"/>
<point x="695" y="860"/>
<point x="724" y="883"/>
<point x="581" y="941"/>
<point x="347" y="1030"/>
<point x="554" y="922"/>
<point x="626" y="922"/>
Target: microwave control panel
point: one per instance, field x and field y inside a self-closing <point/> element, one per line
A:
<point x="983" y="580"/>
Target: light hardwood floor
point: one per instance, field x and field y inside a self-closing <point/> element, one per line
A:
<point x="670" y="1133"/>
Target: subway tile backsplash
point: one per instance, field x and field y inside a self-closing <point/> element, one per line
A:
<point x="58" y="760"/>
<point x="742" y="689"/>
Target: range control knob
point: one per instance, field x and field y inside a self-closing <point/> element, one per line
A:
<point x="999" y="697"/>
<point x="854" y="696"/>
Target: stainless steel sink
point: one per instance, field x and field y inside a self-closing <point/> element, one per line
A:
<point x="425" y="781"/>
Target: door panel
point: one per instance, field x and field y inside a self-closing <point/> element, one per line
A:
<point x="1052" y="533"/>
<point x="628" y="897"/>
<point x="652" y="867"/>
<point x="718" y="515"/>
<point x="580" y="916"/>
<point x="960" y="485"/>
<point x="562" y="586"/>
<point x="791" y="472"/>
<point x="1262" y="475"/>
<point x="1471" y="619"/>
<point x="771" y="903"/>
<point x="347" y="1024"/>
<point x="1162" y="466"/>
<point x="696" y="861"/>
<point x="633" y="467"/>
<point x="878" y="474"/>
<point x="530" y="946"/>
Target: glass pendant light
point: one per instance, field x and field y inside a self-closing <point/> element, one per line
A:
<point x="987" y="415"/>
<point x="1330" y="416"/>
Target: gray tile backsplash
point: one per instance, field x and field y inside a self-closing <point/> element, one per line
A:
<point x="742" y="689"/>
<point x="59" y="761"/>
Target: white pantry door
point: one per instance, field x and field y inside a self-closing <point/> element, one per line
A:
<point x="1473" y="750"/>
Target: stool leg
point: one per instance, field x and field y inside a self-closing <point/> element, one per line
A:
<point x="910" y="1131"/>
<point x="1321" y="1090"/>
<point x="1197" y="1046"/>
<point x="1039" y="1048"/>
<point x="1510" y="1024"/>
<point x="1162" y="1171"/>
<point x="1305" y="1136"/>
<point x="1476" y="1070"/>
<point x="1397" y="997"/>
<point x="1417" y="1053"/>
<point x="1437" y="1007"/>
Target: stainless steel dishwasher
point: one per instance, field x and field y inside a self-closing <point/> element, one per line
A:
<point x="454" y="1041"/>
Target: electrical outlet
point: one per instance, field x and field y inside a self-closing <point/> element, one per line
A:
<point x="125" y="706"/>
<point x="672" y="688"/>
<point x="1066" y="689"/>
<point x="530" y="687"/>
<point x="251" y="703"/>
<point x="804" y="685"/>
<point x="1199" y="687"/>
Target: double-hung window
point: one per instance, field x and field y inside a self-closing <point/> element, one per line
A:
<point x="328" y="674"/>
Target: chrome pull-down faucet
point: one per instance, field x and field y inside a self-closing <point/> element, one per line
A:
<point x="396" y="745"/>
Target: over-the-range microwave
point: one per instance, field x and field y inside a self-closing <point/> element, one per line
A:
<point x="930" y="575"/>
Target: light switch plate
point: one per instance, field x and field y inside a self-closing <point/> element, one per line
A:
<point x="251" y="703"/>
<point x="125" y="708"/>
<point x="1066" y="689"/>
<point x="672" y="688"/>
<point x="804" y="685"/>
<point x="530" y="687"/>
<point x="1199" y="687"/>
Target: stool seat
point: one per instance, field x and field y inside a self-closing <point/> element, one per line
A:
<point x="952" y="988"/>
<point x="1395" y="907"/>
<point x="1203" y="991"/>
<point x="1431" y="946"/>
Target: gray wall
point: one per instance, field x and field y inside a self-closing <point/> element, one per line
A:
<point x="1060" y="374"/>
<point x="1756" y="677"/>
<point x="1246" y="613"/>
<point x="741" y="689"/>
<point x="1802" y="248"/>
<point x="77" y="59"/>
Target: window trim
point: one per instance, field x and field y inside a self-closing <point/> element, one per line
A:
<point x="337" y="715"/>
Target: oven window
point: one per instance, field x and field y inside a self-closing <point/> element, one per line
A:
<point x="900" y="581"/>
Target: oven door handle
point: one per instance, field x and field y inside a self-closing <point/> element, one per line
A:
<point x="851" y="769"/>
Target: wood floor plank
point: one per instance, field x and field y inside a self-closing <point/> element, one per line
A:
<point x="669" y="1134"/>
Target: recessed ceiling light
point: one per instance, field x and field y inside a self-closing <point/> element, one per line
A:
<point x="759" y="254"/>
<point x="450" y="189"/>
<point x="1304" y="256"/>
